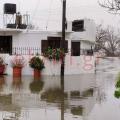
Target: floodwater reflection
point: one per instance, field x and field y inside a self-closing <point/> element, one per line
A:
<point x="36" y="86"/>
<point x="78" y="97"/>
<point x="46" y="98"/>
<point x="17" y="82"/>
<point x="2" y="82"/>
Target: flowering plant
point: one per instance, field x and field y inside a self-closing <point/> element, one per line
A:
<point x="2" y="61"/>
<point x="18" y="61"/>
<point x="2" y="66"/>
<point x="36" y="63"/>
<point x="54" y="54"/>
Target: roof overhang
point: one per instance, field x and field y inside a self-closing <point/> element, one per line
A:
<point x="5" y="30"/>
<point x="65" y="31"/>
<point x="89" y="41"/>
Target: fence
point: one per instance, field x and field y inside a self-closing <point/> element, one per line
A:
<point x="37" y="50"/>
<point x="26" y="50"/>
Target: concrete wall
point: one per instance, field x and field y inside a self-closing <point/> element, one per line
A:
<point x="33" y="39"/>
<point x="88" y="34"/>
<point x="73" y="65"/>
<point x="86" y="45"/>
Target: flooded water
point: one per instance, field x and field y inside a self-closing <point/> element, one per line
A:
<point x="79" y="97"/>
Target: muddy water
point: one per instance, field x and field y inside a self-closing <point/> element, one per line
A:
<point x="79" y="97"/>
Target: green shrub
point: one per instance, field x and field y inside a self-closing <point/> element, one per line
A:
<point x="36" y="63"/>
<point x="117" y="94"/>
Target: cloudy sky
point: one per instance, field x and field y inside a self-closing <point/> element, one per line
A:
<point x="48" y="13"/>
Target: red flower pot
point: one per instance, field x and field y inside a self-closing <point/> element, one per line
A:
<point x="37" y="74"/>
<point x="17" y="71"/>
<point x="2" y="69"/>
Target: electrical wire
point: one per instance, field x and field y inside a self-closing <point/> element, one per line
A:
<point x="50" y="13"/>
<point x="50" y="7"/>
<point x="35" y="11"/>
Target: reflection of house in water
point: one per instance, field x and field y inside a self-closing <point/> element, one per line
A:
<point x="79" y="95"/>
<point x="9" y="110"/>
<point x="2" y="82"/>
<point x="17" y="82"/>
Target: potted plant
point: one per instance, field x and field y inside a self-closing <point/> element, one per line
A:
<point x="2" y="66"/>
<point x="17" y="62"/>
<point x="37" y="64"/>
<point x="54" y="54"/>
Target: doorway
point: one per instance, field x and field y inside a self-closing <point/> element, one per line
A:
<point x="6" y="44"/>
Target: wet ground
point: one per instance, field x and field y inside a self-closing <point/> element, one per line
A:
<point x="82" y="97"/>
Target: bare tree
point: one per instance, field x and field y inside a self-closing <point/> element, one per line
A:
<point x="107" y="41"/>
<point x="112" y="5"/>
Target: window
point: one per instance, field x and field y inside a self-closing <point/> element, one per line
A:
<point x="75" y="46"/>
<point x="78" y="25"/>
<point x="44" y="45"/>
<point x="6" y="44"/>
<point x="90" y="51"/>
<point x="52" y="42"/>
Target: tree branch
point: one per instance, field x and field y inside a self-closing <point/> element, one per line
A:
<point x="113" y="6"/>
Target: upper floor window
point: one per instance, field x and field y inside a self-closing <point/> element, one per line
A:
<point x="78" y="25"/>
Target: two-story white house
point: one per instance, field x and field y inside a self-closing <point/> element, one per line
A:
<point x="79" y="45"/>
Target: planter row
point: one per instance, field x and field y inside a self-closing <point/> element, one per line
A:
<point x="17" y="71"/>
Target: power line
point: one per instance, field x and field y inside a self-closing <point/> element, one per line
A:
<point x="35" y="11"/>
<point x="49" y="13"/>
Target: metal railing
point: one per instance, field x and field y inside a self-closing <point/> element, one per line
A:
<point x="37" y="50"/>
<point x="26" y="50"/>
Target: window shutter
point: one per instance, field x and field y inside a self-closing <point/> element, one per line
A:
<point x="66" y="46"/>
<point x="44" y="45"/>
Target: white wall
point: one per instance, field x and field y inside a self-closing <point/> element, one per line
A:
<point x="33" y="40"/>
<point x="86" y="45"/>
<point x="30" y="39"/>
<point x="88" y="34"/>
<point x="73" y="65"/>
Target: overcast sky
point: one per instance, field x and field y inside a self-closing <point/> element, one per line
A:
<point x="49" y="12"/>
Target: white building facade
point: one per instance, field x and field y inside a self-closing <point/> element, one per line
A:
<point x="80" y="39"/>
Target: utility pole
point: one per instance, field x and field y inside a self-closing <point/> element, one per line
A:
<point x="62" y="45"/>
